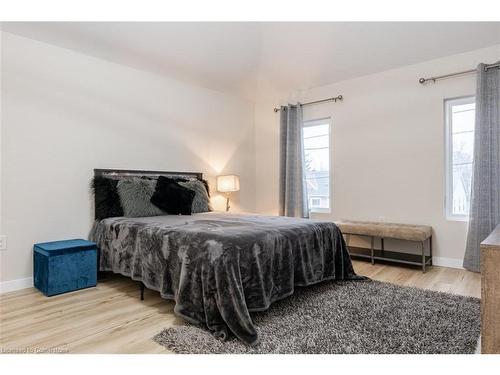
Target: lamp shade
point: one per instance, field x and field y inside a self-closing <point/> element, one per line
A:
<point x="228" y="183"/>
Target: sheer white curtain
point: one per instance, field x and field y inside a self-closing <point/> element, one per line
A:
<point x="485" y="191"/>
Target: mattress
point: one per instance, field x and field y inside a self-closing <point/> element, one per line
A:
<point x="220" y="267"/>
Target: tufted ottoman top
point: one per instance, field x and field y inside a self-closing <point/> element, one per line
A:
<point x="407" y="232"/>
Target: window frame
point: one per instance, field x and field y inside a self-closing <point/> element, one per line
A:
<point x="316" y="122"/>
<point x="448" y="166"/>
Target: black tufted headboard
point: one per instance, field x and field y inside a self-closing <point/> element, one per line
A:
<point x="138" y="173"/>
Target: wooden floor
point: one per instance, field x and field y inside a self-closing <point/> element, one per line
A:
<point x="110" y="318"/>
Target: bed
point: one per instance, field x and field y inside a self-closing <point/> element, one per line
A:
<point x="221" y="267"/>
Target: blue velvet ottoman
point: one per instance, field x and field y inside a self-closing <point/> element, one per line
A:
<point x="64" y="266"/>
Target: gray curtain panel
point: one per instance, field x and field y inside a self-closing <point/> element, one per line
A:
<point x="293" y="193"/>
<point x="485" y="200"/>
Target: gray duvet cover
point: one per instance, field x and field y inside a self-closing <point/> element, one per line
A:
<point x="220" y="267"/>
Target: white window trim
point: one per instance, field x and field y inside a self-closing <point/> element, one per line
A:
<point x="448" y="201"/>
<point x="315" y="122"/>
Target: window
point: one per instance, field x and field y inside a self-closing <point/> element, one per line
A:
<point x="460" y="115"/>
<point x="317" y="164"/>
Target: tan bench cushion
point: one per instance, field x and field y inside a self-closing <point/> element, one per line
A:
<point x="407" y="232"/>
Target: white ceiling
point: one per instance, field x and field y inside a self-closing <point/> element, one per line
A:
<point x="247" y="58"/>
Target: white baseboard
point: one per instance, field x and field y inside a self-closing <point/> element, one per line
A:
<point x="18" y="284"/>
<point x="448" y="262"/>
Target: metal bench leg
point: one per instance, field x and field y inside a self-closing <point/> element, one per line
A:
<point x="371" y="249"/>
<point x="142" y="291"/>
<point x="430" y="249"/>
<point x="422" y="244"/>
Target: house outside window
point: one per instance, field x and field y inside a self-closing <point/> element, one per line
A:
<point x="459" y="118"/>
<point x="316" y="138"/>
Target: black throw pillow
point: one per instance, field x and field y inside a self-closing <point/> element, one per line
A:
<point x="172" y="198"/>
<point x="107" y="200"/>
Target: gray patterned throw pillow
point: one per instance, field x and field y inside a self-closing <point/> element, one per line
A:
<point x="201" y="201"/>
<point x="135" y="195"/>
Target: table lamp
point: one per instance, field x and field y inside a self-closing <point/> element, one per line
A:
<point x="227" y="184"/>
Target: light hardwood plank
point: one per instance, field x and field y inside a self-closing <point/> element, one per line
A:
<point x="110" y="318"/>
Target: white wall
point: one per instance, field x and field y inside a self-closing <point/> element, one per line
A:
<point x="1" y="127"/>
<point x="65" y="113"/>
<point x="387" y="147"/>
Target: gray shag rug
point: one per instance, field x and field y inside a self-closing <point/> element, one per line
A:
<point x="349" y="317"/>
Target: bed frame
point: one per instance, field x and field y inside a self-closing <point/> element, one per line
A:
<point x="140" y="173"/>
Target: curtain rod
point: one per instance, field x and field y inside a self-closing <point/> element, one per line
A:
<point x="334" y="99"/>
<point x="434" y="79"/>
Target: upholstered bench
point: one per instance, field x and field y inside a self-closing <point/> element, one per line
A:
<point x="407" y="232"/>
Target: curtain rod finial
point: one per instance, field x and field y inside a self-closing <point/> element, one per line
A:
<point x="276" y="109"/>
<point x="421" y="80"/>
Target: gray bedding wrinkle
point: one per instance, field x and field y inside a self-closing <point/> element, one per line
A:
<point x="221" y="267"/>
